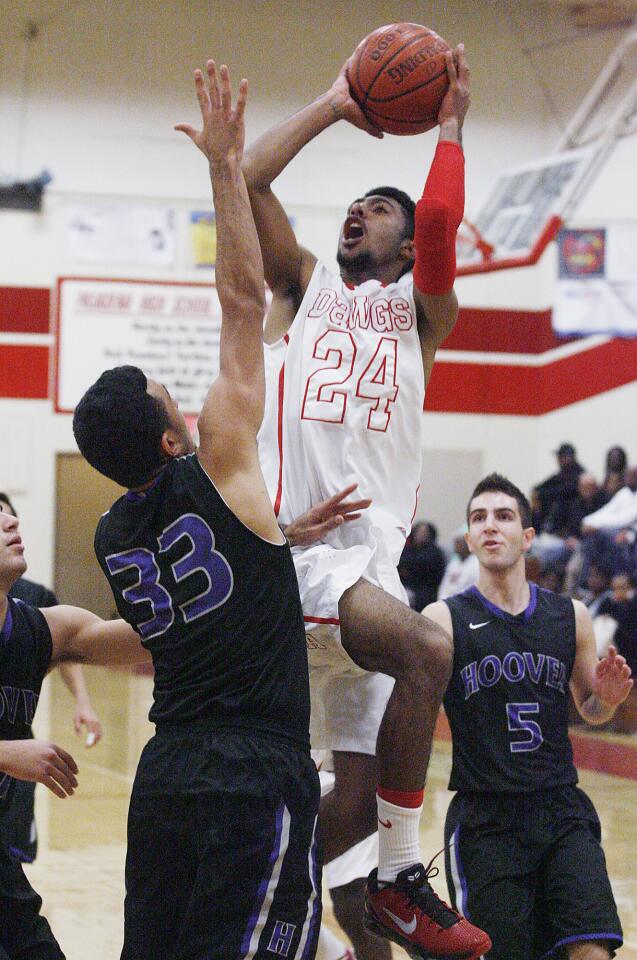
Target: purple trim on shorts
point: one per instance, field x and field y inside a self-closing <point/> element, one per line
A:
<point x="7" y="626"/>
<point x="310" y="946"/>
<point x="583" y="936"/>
<point x="498" y="612"/>
<point x="455" y="839"/>
<point x="20" y="855"/>
<point x="265" y="881"/>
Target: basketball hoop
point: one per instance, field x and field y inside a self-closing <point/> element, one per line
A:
<point x="470" y="243"/>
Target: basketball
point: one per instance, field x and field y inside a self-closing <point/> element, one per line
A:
<point x="398" y="77"/>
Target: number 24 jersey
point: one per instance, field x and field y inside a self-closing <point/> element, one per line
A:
<point x="345" y="393"/>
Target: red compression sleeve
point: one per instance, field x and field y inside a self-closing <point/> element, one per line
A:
<point x="439" y="213"/>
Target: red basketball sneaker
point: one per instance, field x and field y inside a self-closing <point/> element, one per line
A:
<point x="410" y="913"/>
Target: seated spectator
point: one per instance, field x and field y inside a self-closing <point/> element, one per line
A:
<point x="422" y="565"/>
<point x="565" y="517"/>
<point x="562" y="528"/>
<point x="597" y="587"/>
<point x="622" y="607"/>
<point x="551" y="577"/>
<point x="616" y="461"/>
<point x="560" y="486"/>
<point x="462" y="569"/>
<point x="608" y="534"/>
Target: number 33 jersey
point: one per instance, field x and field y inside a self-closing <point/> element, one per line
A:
<point x="345" y="393"/>
<point x="217" y="606"/>
<point x="507" y="701"/>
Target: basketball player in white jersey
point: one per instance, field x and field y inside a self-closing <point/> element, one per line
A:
<point x="348" y="357"/>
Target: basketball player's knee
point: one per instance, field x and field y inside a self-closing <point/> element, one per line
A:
<point x="434" y="654"/>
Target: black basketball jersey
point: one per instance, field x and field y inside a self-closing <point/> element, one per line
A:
<point x="216" y="605"/>
<point x="507" y="702"/>
<point x="25" y="654"/>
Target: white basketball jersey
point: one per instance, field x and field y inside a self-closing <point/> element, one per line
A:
<point x="344" y="398"/>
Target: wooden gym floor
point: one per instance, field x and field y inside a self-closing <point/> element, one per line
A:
<point x="80" y="867"/>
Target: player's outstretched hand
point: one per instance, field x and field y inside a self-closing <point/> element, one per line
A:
<point x="613" y="681"/>
<point x="40" y="762"/>
<point x="222" y="138"/>
<point x="457" y="98"/>
<point x="312" y="526"/>
<point x="345" y="107"/>
<point x="85" y="716"/>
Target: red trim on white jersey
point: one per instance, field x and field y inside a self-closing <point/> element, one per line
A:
<point x="279" y="489"/>
<point x="333" y="620"/>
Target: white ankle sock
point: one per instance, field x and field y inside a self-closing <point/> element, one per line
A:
<point x="398" y="838"/>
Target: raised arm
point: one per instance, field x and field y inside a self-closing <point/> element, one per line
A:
<point x="439" y="213"/>
<point x="288" y="266"/>
<point x="233" y="409"/>
<point x="239" y="270"/>
<point x="598" y="686"/>
<point x="82" y="637"/>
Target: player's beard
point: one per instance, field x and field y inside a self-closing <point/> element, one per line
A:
<point x="362" y="263"/>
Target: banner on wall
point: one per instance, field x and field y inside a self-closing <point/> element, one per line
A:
<point x="597" y="287"/>
<point x="170" y="330"/>
<point x="203" y="238"/>
<point x="121" y="234"/>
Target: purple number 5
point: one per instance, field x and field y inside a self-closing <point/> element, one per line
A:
<point x="201" y="556"/>
<point x="517" y="722"/>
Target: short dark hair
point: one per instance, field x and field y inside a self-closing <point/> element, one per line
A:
<point x="5" y="499"/>
<point x="118" y="427"/>
<point x="496" y="483"/>
<point x="404" y="201"/>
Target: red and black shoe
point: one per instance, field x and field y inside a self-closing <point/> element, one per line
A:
<point x="410" y="913"/>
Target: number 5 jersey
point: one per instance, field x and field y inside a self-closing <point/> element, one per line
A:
<point x="507" y="700"/>
<point x="216" y="605"/>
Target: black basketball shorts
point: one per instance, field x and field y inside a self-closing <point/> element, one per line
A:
<point x="18" y="835"/>
<point x="529" y="869"/>
<point x="24" y="933"/>
<point x="222" y="859"/>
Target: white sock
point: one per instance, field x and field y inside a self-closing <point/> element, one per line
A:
<point x="329" y="945"/>
<point x="398" y="838"/>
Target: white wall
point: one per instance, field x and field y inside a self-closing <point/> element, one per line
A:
<point x="94" y="96"/>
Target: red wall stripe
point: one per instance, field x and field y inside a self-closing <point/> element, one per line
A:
<point x="504" y="331"/>
<point x="531" y="391"/>
<point x="24" y="372"/>
<point x="454" y="387"/>
<point x="24" y="310"/>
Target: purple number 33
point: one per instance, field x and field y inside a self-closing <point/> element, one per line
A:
<point x="147" y="589"/>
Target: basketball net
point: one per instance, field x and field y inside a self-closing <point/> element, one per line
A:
<point x="470" y="240"/>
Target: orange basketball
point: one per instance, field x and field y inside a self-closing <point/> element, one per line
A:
<point x="398" y="77"/>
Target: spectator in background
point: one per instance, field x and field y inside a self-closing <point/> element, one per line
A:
<point x="422" y="565"/>
<point x="560" y="486"/>
<point x="18" y="835"/>
<point x="561" y="532"/>
<point x="616" y="461"/>
<point x="462" y="570"/>
<point x="608" y="534"/>
<point x="621" y="605"/>
<point x="597" y="588"/>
